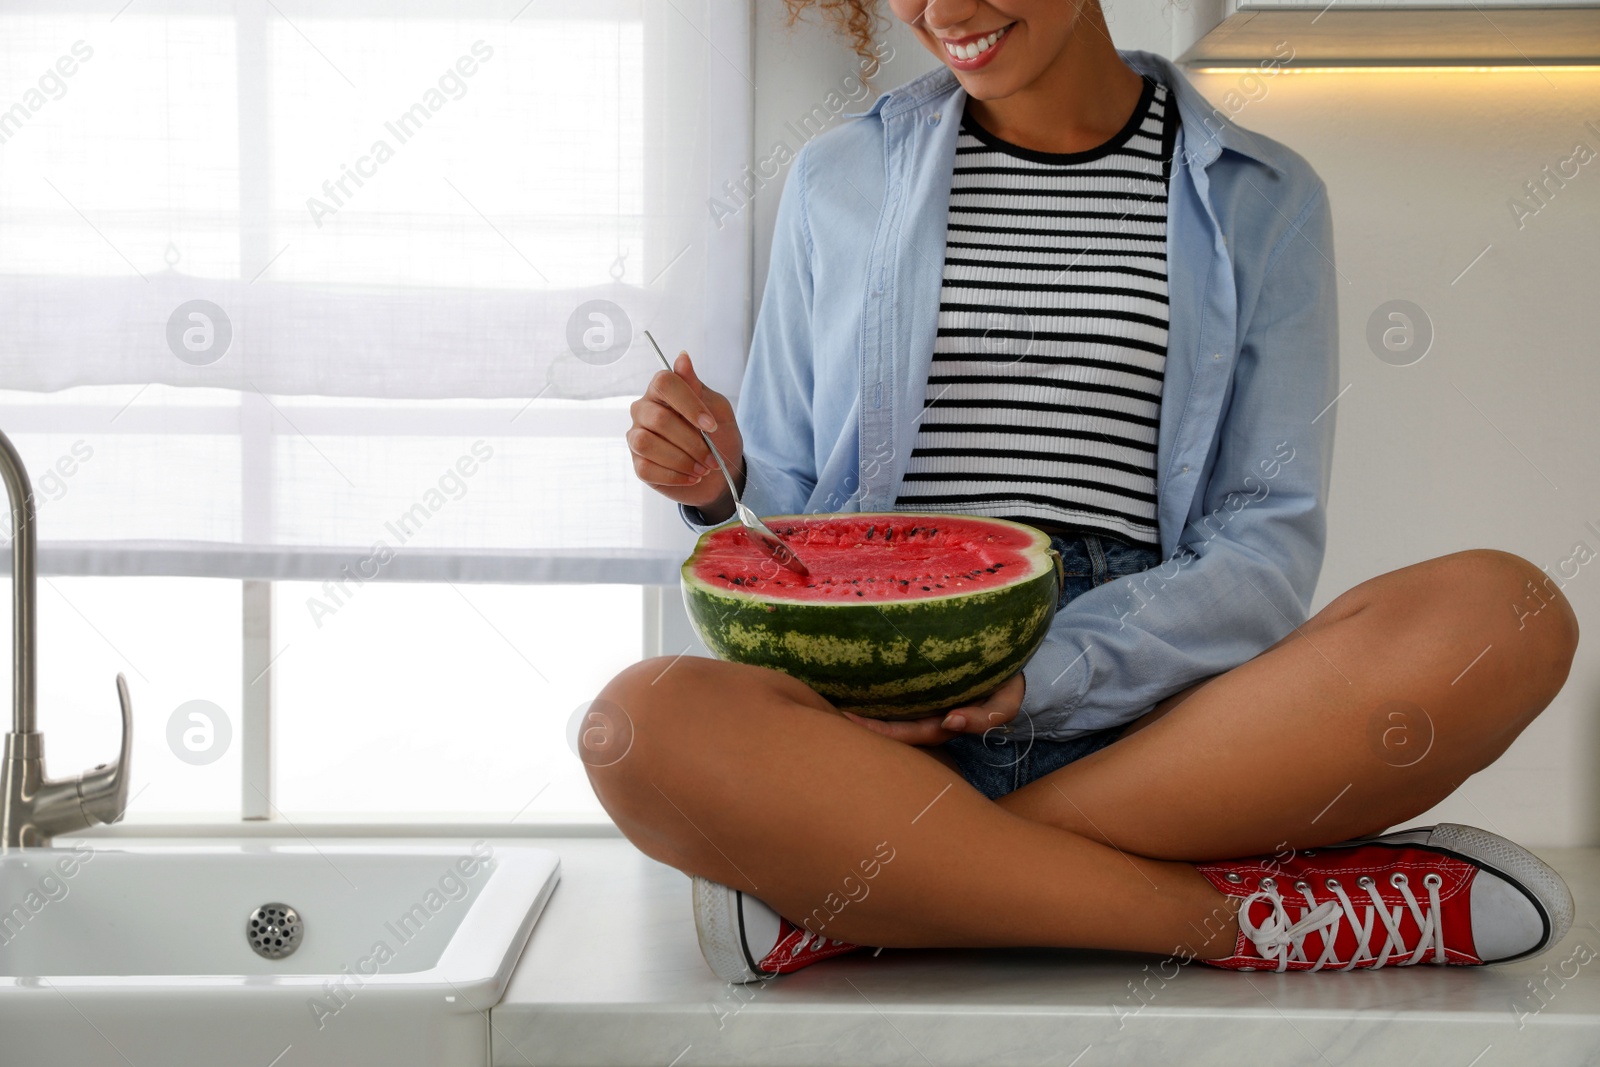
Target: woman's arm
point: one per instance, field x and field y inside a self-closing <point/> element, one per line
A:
<point x="1244" y="574"/>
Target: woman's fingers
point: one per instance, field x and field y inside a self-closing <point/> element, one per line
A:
<point x="674" y="392"/>
<point x="669" y="450"/>
<point x="909" y="731"/>
<point x="721" y="410"/>
<point x="995" y="710"/>
<point x="655" y="474"/>
<point x="974" y="719"/>
<point x="685" y="369"/>
<point x="652" y="418"/>
<point x="650" y="447"/>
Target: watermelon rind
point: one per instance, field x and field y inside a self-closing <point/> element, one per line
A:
<point x="902" y="659"/>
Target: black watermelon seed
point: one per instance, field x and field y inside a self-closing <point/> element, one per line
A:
<point x="925" y="589"/>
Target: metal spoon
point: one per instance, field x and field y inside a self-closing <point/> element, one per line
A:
<point x="758" y="529"/>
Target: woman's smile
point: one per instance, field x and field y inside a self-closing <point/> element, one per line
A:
<point x="975" y="51"/>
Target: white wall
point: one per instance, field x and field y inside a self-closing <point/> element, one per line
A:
<point x="1491" y="439"/>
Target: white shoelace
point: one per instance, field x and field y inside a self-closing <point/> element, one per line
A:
<point x="1283" y="939"/>
<point x="815" y="942"/>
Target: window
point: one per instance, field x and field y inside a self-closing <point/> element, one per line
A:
<point x="339" y="293"/>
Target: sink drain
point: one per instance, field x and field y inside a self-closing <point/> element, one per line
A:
<point x="274" y="931"/>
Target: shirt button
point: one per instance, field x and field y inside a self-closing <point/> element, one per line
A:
<point x="1216" y="355"/>
<point x="1186" y="468"/>
<point x="933" y="119"/>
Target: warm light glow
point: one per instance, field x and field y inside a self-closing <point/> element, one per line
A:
<point x="1375" y="69"/>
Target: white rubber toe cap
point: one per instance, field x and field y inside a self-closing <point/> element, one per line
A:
<point x="1520" y="906"/>
<point x="1505" y="923"/>
<point x="736" y="931"/>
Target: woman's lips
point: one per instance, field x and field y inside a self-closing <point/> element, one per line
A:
<point x="970" y="53"/>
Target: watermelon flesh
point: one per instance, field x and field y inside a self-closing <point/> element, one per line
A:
<point x="904" y="614"/>
<point x="881" y="559"/>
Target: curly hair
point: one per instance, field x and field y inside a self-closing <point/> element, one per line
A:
<point x="858" y="19"/>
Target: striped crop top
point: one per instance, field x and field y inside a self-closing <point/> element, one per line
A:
<point x="1044" y="393"/>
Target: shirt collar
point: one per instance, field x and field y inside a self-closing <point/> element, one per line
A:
<point x="1207" y="131"/>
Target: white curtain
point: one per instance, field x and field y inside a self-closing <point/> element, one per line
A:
<point x="357" y="288"/>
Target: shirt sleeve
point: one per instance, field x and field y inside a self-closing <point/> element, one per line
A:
<point x="775" y="399"/>
<point x="1243" y="574"/>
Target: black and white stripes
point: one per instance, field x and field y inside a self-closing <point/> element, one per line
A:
<point x="1044" y="394"/>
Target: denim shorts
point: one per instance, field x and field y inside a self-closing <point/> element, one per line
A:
<point x="998" y="762"/>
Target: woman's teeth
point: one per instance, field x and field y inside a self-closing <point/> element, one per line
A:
<point x="973" y="49"/>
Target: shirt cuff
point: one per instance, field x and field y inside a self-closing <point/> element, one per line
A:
<point x="697" y="522"/>
<point x="1049" y="697"/>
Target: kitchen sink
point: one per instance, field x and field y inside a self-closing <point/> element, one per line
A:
<point x="261" y="952"/>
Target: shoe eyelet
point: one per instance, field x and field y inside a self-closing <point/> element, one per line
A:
<point x="1432" y="880"/>
<point x="1299" y="887"/>
<point x="1247" y="968"/>
<point x="1331" y="883"/>
<point x="1364" y="882"/>
<point x="1268" y="883"/>
<point x="1309" y="852"/>
<point x="1398" y="878"/>
<point x="1233" y="877"/>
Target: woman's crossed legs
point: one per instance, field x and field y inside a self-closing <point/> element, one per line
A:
<point x="1370" y="713"/>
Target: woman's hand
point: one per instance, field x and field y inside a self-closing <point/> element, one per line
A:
<point x="669" y="454"/>
<point x="996" y="709"/>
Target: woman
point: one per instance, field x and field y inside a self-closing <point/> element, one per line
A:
<point x="1048" y="282"/>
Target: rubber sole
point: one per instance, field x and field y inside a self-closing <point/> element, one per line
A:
<point x="720" y="928"/>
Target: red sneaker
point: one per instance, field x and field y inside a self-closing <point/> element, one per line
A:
<point x="743" y="940"/>
<point x="1444" y="894"/>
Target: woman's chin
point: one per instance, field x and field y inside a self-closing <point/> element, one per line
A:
<point x="1007" y="75"/>
<point x="982" y="85"/>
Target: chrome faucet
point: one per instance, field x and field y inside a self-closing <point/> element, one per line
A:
<point x="33" y="808"/>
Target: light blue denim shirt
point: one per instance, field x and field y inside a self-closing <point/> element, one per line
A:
<point x="838" y="368"/>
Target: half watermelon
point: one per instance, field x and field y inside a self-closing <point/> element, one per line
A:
<point x="905" y="614"/>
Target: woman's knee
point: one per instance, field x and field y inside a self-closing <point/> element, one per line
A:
<point x="620" y="734"/>
<point x="1445" y="615"/>
<point x="1543" y="610"/>
<point x="1475" y="592"/>
<point x="619" y="739"/>
<point x="676" y="723"/>
<point x="1509" y="604"/>
<point x="1484" y="602"/>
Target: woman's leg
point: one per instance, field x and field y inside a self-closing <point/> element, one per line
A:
<point x="748" y="777"/>
<point x="1368" y="715"/>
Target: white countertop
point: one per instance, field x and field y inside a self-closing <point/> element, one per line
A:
<point x="612" y="975"/>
